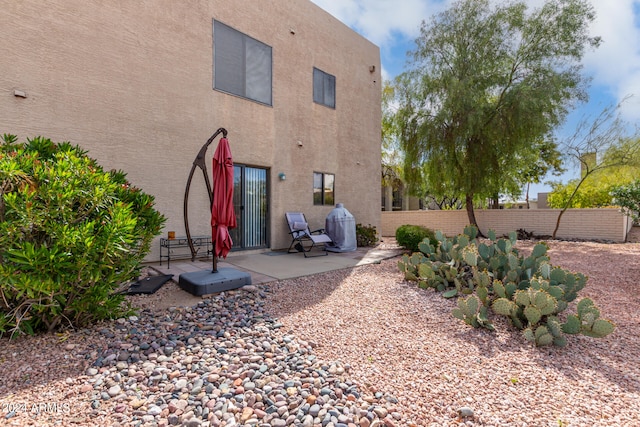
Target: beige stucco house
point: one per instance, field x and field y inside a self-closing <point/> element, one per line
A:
<point x="142" y="85"/>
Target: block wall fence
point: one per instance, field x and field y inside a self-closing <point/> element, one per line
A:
<point x="596" y="224"/>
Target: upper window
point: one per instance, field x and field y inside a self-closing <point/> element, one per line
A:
<point x="323" y="188"/>
<point x="324" y="88"/>
<point x="241" y="64"/>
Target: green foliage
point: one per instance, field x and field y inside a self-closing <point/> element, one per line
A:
<point x="70" y="235"/>
<point x="628" y="198"/>
<point x="410" y="236"/>
<point x="596" y="192"/>
<point x="527" y="290"/>
<point x="488" y="85"/>
<point x="366" y="235"/>
<point x="599" y="146"/>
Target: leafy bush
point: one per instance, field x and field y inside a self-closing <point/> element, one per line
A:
<point x="628" y="198"/>
<point x="366" y="235"/>
<point x="410" y="236"/>
<point x="71" y="235"/>
<point x="529" y="291"/>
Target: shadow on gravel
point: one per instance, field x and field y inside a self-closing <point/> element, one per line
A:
<point x="25" y="361"/>
<point x="317" y="288"/>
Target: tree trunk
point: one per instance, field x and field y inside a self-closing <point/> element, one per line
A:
<point x="526" y="197"/>
<point x="553" y="236"/>
<point x="405" y="199"/>
<point x="388" y="198"/>
<point x="471" y="214"/>
<point x="495" y="202"/>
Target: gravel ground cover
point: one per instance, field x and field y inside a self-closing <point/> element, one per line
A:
<point x="356" y="347"/>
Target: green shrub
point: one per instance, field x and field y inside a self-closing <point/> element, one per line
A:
<point x="366" y="235"/>
<point x="628" y="198"/>
<point x="410" y="236"/>
<point x="71" y="235"/>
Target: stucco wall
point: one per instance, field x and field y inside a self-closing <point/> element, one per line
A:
<point x="131" y="82"/>
<point x="605" y="224"/>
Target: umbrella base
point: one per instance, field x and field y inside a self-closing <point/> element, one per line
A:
<point x="205" y="282"/>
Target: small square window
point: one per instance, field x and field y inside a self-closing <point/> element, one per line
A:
<point x="324" y="88"/>
<point x="323" y="188"/>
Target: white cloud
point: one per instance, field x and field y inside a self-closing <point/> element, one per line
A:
<point x="380" y="20"/>
<point x="615" y="66"/>
<point x="392" y="25"/>
<point x="616" y="63"/>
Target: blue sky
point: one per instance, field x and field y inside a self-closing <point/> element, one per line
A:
<point x="614" y="67"/>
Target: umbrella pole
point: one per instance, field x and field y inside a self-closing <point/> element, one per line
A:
<point x="213" y="242"/>
<point x="200" y="163"/>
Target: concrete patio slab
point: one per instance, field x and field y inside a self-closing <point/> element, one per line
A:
<point x="269" y="266"/>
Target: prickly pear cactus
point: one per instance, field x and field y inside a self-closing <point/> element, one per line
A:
<point x="591" y="323"/>
<point x="472" y="312"/>
<point x="528" y="290"/>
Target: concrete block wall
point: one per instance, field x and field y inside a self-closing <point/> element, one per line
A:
<point x="597" y="224"/>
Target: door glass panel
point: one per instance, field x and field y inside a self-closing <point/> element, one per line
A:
<point x="255" y="231"/>
<point x="251" y="207"/>
<point x="237" y="206"/>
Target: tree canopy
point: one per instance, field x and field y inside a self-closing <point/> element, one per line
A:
<point x="592" y="193"/>
<point x="487" y="86"/>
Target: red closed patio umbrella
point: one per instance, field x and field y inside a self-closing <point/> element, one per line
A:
<point x="222" y="220"/>
<point x="223" y="217"/>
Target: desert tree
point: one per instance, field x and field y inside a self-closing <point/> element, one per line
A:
<point x="603" y="142"/>
<point x="486" y="82"/>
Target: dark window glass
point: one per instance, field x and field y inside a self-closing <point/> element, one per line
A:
<point x="323" y="188"/>
<point x="324" y="88"/>
<point x="241" y="65"/>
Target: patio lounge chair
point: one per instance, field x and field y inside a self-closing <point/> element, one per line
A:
<point x="301" y="236"/>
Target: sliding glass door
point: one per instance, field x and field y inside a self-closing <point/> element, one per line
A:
<point x="250" y="200"/>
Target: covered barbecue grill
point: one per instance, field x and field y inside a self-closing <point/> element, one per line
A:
<point x="340" y="225"/>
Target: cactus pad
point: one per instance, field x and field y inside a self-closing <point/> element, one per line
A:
<point x="556" y="292"/>
<point x="499" y="289"/>
<point x="510" y="289"/>
<point x="560" y="341"/>
<point x="502" y="306"/>
<point x="426" y="248"/>
<point x="471" y="258"/>
<point x="554" y="327"/>
<point x="483" y="294"/>
<point x="601" y="328"/>
<point x="543" y="337"/>
<point x="484" y="251"/>
<point x="471" y="231"/>
<point x="522" y="298"/>
<point x="528" y="335"/>
<point x="450" y="293"/>
<point x="539" y="250"/>
<point x="558" y="275"/>
<point x="532" y="314"/>
<point x="545" y="270"/>
<point x="572" y="325"/>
